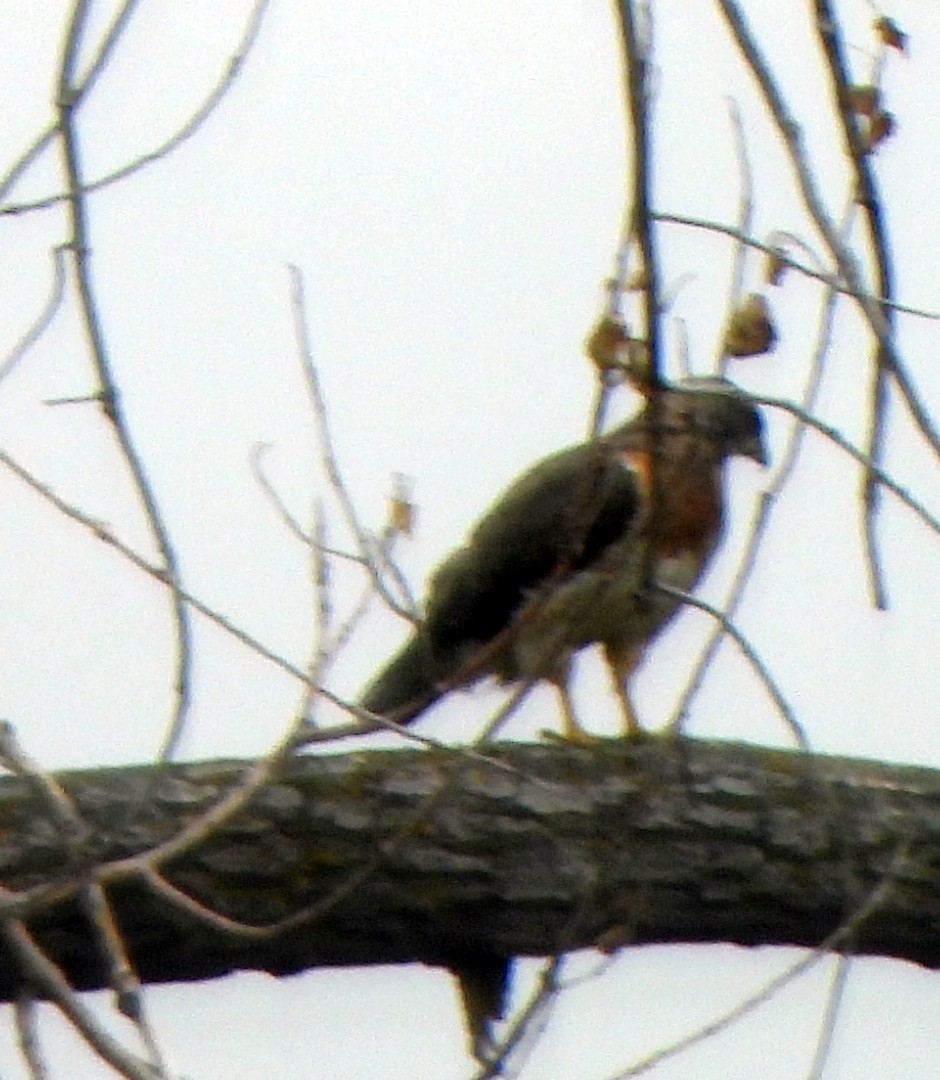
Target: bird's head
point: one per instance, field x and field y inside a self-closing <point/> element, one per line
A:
<point x="714" y="409"/>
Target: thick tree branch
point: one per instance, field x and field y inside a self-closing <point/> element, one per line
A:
<point x="614" y="844"/>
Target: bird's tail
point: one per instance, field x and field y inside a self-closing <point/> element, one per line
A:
<point x="406" y="686"/>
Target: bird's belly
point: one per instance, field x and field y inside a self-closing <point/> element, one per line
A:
<point x="606" y="605"/>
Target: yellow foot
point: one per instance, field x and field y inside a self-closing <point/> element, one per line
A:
<point x="575" y="736"/>
<point x="634" y="734"/>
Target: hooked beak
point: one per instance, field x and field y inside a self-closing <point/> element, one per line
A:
<point x="755" y="449"/>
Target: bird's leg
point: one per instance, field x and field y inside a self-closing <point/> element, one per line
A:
<point x="622" y="664"/>
<point x="571" y="729"/>
<point x="561" y="679"/>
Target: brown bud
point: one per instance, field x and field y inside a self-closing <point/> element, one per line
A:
<point x="864" y="99"/>
<point x="401" y="510"/>
<point x="750" y="331"/>
<point x="891" y="34"/>
<point x="881" y="126"/>
<point x="775" y="266"/>
<point x="607" y="342"/>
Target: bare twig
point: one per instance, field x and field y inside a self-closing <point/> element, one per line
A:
<point x="868" y="197"/>
<point x="225" y="82"/>
<point x="835" y="436"/>
<point x="43" y="319"/>
<point x="332" y="644"/>
<point x="293" y="526"/>
<point x="369" y="551"/>
<point x="74" y="831"/>
<point x="323" y="607"/>
<point x="121" y="975"/>
<point x="360" y="608"/>
<point x="152" y="571"/>
<point x="258" y="452"/>
<point x="108" y="385"/>
<point x="745" y="216"/>
<point x="844" y="933"/>
<point x="66" y="818"/>
<point x="27" y="1036"/>
<point x="751" y="655"/>
<point x="635" y="34"/>
<point x="771" y="247"/>
<point x="52" y="984"/>
<point x="99" y="63"/>
<point x="840" y="976"/>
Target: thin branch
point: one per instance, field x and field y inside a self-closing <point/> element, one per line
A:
<point x="224" y="83"/>
<point x="751" y="655"/>
<point x="323" y="606"/>
<point x="836" y="437"/>
<point x="745" y="216"/>
<point x="152" y="571"/>
<point x="50" y="982"/>
<point x="843" y="964"/>
<point x="293" y="526"/>
<point x="122" y="977"/>
<point x="72" y="829"/>
<point x="108" y="385"/>
<point x="27" y="1036"/>
<point x="43" y="320"/>
<point x="770" y="247"/>
<point x="368" y="550"/>
<point x="385" y="541"/>
<point x="97" y="66"/>
<point x="636" y="49"/>
<point x="875" y="899"/>
<point x="868" y="197"/>
<point x="360" y="608"/>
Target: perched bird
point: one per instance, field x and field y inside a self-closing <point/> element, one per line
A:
<point x="570" y="554"/>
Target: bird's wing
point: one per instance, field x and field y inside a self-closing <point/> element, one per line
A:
<point x="556" y="518"/>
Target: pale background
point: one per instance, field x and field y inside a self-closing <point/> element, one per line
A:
<point x="450" y="180"/>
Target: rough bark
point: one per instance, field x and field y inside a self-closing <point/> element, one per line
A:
<point x="612" y="845"/>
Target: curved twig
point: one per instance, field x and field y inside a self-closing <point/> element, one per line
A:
<point x="372" y="557"/>
<point x="751" y="655"/>
<point x="42" y="321"/>
<point x="108" y="391"/>
<point x="844" y="933"/>
<point x="768" y="247"/>
<point x="225" y="82"/>
<point x="745" y="216"/>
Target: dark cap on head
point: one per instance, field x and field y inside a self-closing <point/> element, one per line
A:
<point x="715" y="408"/>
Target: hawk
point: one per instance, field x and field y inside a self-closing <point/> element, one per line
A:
<point x="571" y="554"/>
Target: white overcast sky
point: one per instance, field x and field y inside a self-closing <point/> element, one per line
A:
<point x="450" y="180"/>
